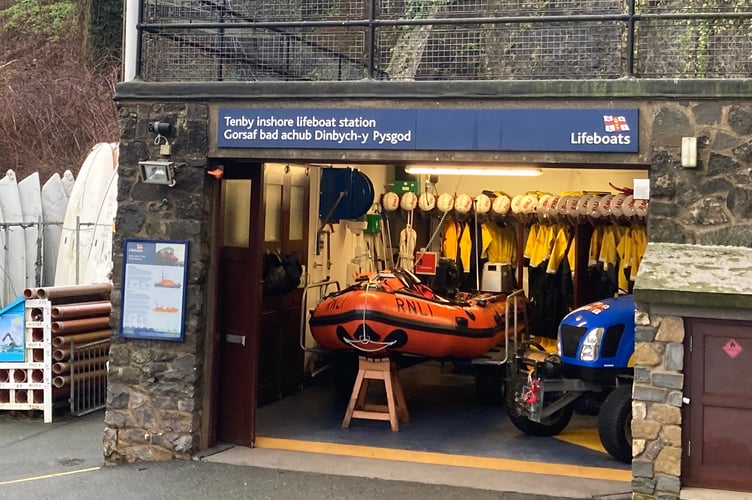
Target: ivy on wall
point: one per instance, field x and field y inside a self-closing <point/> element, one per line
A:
<point x="106" y="29"/>
<point x="52" y="20"/>
<point x="55" y="21"/>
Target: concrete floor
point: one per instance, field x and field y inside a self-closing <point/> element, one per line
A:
<point x="451" y="439"/>
<point x="445" y="417"/>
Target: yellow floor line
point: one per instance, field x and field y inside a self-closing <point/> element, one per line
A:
<point x="499" y="464"/>
<point x="48" y="476"/>
<point x="586" y="438"/>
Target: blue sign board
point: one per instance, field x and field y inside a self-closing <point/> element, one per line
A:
<point x="554" y="130"/>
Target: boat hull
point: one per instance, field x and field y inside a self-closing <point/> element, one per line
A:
<point x="378" y="321"/>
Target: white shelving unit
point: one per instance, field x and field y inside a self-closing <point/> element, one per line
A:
<point x="28" y="385"/>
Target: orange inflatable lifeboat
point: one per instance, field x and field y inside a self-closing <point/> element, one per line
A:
<point x="392" y="311"/>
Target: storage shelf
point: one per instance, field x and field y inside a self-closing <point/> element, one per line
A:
<point x="28" y="385"/>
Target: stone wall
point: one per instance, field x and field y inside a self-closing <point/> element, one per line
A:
<point x="710" y="204"/>
<point x="676" y="281"/>
<point x="707" y="205"/>
<point x="155" y="388"/>
<point x="656" y="405"/>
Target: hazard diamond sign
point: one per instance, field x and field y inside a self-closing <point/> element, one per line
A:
<point x="732" y="348"/>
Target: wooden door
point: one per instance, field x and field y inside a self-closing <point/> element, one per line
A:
<point x="239" y="297"/>
<point x="718" y="420"/>
<point x="286" y="194"/>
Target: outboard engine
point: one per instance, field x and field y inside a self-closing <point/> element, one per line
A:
<point x="448" y="278"/>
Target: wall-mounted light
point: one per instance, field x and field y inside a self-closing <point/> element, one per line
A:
<point x="474" y="170"/>
<point x="160" y="172"/>
<point x="689" y="152"/>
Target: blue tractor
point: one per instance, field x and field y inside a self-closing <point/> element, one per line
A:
<point x="591" y="373"/>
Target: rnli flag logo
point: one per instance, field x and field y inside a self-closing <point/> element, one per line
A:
<point x="613" y="123"/>
<point x="139" y="246"/>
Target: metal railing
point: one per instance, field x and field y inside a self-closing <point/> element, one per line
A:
<point x="327" y="40"/>
<point x="88" y="376"/>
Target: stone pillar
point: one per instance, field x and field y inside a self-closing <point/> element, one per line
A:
<point x="656" y="405"/>
<point x="156" y="388"/>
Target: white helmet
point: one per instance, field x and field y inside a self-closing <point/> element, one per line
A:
<point x="390" y="201"/>
<point x="582" y="203"/>
<point x="501" y="204"/>
<point x="445" y="202"/>
<point x="641" y="208"/>
<point x="553" y="205"/>
<point x="604" y="206"/>
<point x="426" y="201"/>
<point x="617" y="204"/>
<point x="517" y="203"/>
<point x="529" y="204"/>
<point x="463" y="203"/>
<point x="627" y="207"/>
<point x="593" y="207"/>
<point x="544" y="204"/>
<point x="409" y="201"/>
<point x="571" y="207"/>
<point x="482" y="203"/>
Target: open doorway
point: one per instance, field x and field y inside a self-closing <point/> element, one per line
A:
<point x="263" y="211"/>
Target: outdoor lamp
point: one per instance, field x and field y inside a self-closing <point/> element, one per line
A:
<point x="160" y="172"/>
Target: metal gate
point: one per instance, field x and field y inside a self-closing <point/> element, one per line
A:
<point x="88" y="376"/>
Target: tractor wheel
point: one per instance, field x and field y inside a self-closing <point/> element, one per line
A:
<point x="615" y="423"/>
<point x="548" y="426"/>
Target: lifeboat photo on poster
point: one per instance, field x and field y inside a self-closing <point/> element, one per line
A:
<point x="12" y="332"/>
<point x="154" y="274"/>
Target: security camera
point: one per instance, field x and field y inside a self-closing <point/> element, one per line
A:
<point x="161" y="128"/>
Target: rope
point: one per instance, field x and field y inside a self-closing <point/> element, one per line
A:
<point x="363" y="339"/>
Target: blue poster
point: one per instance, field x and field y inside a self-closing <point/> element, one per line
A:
<point x="533" y="130"/>
<point x="12" y="336"/>
<point x="154" y="274"/>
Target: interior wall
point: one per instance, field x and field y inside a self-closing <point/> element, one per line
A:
<point x="345" y="243"/>
<point x="341" y="240"/>
<point x="553" y="180"/>
<point x="336" y="244"/>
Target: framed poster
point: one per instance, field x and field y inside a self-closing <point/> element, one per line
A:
<point x="12" y="338"/>
<point x="154" y="275"/>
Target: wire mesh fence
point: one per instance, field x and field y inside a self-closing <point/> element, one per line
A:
<point x="694" y="48"/>
<point x="329" y="40"/>
<point x="254" y="54"/>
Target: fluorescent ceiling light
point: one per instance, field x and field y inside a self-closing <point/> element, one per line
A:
<point x="473" y="170"/>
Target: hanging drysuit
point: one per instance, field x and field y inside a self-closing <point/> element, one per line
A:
<point x="551" y="290"/>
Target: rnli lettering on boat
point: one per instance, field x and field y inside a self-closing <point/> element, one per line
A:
<point x="413" y="307"/>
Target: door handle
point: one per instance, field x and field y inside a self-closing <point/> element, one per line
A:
<point x="235" y="339"/>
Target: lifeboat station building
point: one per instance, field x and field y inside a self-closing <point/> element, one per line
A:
<point x="251" y="130"/>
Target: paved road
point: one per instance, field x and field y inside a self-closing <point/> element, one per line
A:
<point x="63" y="460"/>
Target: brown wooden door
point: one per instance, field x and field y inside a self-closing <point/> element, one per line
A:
<point x="286" y="196"/>
<point x="718" y="419"/>
<point x="239" y="303"/>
